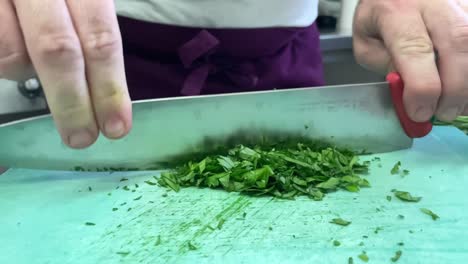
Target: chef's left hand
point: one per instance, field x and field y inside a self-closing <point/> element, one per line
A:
<point x="402" y="36"/>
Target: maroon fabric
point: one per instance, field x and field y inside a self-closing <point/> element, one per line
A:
<point x="169" y="61"/>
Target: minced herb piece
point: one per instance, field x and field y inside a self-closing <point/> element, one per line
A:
<point x="123" y="179"/>
<point x="89" y="188"/>
<point x="221" y="223"/>
<point x="191" y="246"/>
<point x="270" y="228"/>
<point x="123" y="253"/>
<point x="363" y="256"/>
<point x="126" y="188"/>
<point x="244" y="215"/>
<point x="119" y="226"/>
<point x="401" y="217"/>
<point x="340" y="221"/>
<point x="396" y="168"/>
<point x="90" y="224"/>
<point x="115" y="209"/>
<point x="164" y="195"/>
<point x="122" y="204"/>
<point x="401" y="243"/>
<point x="377" y="229"/>
<point x="361" y="244"/>
<point x="138" y="198"/>
<point x="158" y="241"/>
<point x="150" y="183"/>
<point x="133" y="190"/>
<point x="109" y="194"/>
<point x="336" y="243"/>
<point x="405" y="172"/>
<point x="411" y="231"/>
<point x="136" y="185"/>
<point x="129" y="209"/>
<point x="365" y="236"/>
<point x="406" y="196"/>
<point x="397" y="256"/>
<point x="350" y="260"/>
<point x="430" y="213"/>
<point x="281" y="170"/>
<point x="78" y="168"/>
<point x="389" y="198"/>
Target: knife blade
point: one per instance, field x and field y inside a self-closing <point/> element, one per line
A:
<point x="360" y="117"/>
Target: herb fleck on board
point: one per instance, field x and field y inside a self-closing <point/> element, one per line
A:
<point x="430" y="213"/>
<point x="363" y="256"/>
<point x="397" y="256"/>
<point x="340" y="221"/>
<point x="406" y="196"/>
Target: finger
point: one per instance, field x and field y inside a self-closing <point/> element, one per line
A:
<point x="448" y="26"/>
<point x="55" y="51"/>
<point x="406" y="37"/>
<point x="402" y="30"/>
<point x="14" y="61"/>
<point x="368" y="48"/>
<point x="99" y="34"/>
<point x="464" y="5"/>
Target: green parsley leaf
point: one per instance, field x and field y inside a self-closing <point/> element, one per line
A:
<point x="430" y="213"/>
<point x="191" y="246"/>
<point x="397" y="256"/>
<point x="340" y="221"/>
<point x="363" y="256"/>
<point x="406" y="196"/>
<point x="396" y="168"/>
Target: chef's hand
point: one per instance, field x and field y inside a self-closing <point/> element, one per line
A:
<point x="402" y="35"/>
<point x="75" y="48"/>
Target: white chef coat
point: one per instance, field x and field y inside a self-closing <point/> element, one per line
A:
<point x="222" y="13"/>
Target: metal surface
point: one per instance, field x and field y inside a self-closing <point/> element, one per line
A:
<point x="360" y="117"/>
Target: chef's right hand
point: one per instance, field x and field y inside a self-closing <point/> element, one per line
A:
<point x="75" y="49"/>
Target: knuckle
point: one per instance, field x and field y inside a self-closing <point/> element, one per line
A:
<point x="110" y="91"/>
<point x="101" y="44"/>
<point x="414" y="45"/>
<point x="459" y="38"/>
<point x="62" y="47"/>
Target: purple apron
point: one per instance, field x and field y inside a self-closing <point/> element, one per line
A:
<point x="170" y="61"/>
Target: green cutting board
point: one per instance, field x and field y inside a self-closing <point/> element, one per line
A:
<point x="43" y="216"/>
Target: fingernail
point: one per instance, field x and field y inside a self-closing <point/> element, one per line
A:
<point x="80" y="139"/>
<point x="423" y="113"/>
<point x="114" y="128"/>
<point x="449" y="114"/>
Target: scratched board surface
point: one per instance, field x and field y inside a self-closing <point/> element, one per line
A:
<point x="57" y="217"/>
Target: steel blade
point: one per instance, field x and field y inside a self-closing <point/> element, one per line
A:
<point x="359" y="117"/>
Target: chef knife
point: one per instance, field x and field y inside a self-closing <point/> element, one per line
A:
<point x="362" y="117"/>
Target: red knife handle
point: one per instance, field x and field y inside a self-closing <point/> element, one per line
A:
<point x="411" y="128"/>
